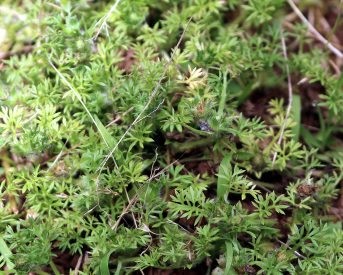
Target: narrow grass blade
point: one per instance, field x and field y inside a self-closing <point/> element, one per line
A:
<point x="222" y="186"/>
<point x="296" y="114"/>
<point x="228" y="256"/>
<point x="104" y="132"/>
<point x="6" y="254"/>
<point x="104" y="269"/>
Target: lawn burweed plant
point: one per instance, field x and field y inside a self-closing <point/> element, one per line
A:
<point x="141" y="134"/>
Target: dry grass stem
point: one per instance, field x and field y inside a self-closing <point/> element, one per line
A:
<point x="313" y="30"/>
<point x="290" y="95"/>
<point x="104" y="19"/>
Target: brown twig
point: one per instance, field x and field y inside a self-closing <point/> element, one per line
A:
<point x="24" y="50"/>
<point x="125" y="210"/>
<point x="13" y="206"/>
<point x="78" y="265"/>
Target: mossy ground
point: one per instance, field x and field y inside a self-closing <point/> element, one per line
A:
<point x="171" y="137"/>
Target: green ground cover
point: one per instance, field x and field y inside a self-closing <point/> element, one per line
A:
<point x="198" y="136"/>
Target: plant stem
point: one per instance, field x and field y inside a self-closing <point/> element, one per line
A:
<point x="182" y="147"/>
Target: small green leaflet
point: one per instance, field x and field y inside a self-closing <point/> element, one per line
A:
<point x="224" y="169"/>
<point x="104" y="133"/>
<point x="6" y="254"/>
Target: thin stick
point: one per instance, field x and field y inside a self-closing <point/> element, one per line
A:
<point x="58" y="156"/>
<point x="104" y="19"/>
<point x="152" y="172"/>
<point x="119" y="117"/>
<point x="22" y="51"/>
<point x="162" y="171"/>
<point x="312" y="29"/>
<point x="290" y="95"/>
<point x="153" y="111"/>
<point x="134" y="199"/>
<point x="133" y="216"/>
<point x="78" y="264"/>
<point x="296" y="253"/>
<point x="125" y="210"/>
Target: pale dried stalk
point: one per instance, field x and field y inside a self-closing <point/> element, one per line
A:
<point x="104" y="19"/>
<point x="125" y="210"/>
<point x="290" y="95"/>
<point x="312" y="29"/>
